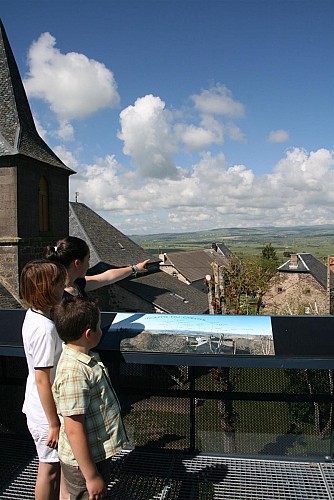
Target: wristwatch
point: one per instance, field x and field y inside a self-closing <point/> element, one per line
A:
<point x="135" y="270"/>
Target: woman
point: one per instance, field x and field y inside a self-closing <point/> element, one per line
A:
<point x="74" y="254"/>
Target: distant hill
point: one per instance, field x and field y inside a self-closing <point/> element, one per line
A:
<point x="317" y="240"/>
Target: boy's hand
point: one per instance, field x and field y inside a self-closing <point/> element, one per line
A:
<point x="96" y="488"/>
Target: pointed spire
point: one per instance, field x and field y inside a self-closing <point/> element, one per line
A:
<point x="18" y="134"/>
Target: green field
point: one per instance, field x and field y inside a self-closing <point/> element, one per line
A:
<point x="247" y="242"/>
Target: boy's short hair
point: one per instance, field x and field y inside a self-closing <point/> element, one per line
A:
<point x="75" y="315"/>
<point x="37" y="281"/>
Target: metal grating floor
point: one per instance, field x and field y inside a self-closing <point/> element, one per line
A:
<point x="149" y="475"/>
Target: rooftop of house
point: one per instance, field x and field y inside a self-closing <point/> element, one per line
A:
<point x="306" y="263"/>
<point x="111" y="248"/>
<point x="196" y="264"/>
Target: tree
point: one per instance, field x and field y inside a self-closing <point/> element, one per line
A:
<point x="258" y="273"/>
<point x="234" y="284"/>
<point x="269" y="252"/>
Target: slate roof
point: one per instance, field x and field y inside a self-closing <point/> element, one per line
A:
<point x="195" y="264"/>
<point x="111" y="248"/>
<point x="107" y="244"/>
<point x="167" y="293"/>
<point x="18" y="134"/>
<point x="306" y="263"/>
<point x="7" y="300"/>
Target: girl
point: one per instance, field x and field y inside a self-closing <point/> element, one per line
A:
<point x="42" y="286"/>
<point x="74" y="254"/>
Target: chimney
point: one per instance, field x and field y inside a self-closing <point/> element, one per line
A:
<point x="293" y="261"/>
<point x="214" y="246"/>
<point x="162" y="256"/>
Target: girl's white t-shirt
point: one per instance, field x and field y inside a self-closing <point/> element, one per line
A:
<point x="42" y="347"/>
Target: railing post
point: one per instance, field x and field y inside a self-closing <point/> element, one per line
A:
<point x="331" y="443"/>
<point x="192" y="415"/>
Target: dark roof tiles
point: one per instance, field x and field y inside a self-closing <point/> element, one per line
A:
<point x="107" y="243"/>
<point x="167" y="293"/>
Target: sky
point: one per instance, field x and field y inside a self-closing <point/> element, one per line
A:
<point x="185" y="115"/>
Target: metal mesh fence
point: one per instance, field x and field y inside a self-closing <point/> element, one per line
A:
<point x="247" y="411"/>
<point x="244" y="411"/>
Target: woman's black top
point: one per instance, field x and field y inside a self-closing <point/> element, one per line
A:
<point x="80" y="284"/>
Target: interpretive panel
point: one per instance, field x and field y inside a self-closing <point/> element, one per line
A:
<point x="205" y="334"/>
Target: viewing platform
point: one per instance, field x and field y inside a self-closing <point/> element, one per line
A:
<point x="216" y="407"/>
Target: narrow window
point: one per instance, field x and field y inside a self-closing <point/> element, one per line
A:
<point x="43" y="205"/>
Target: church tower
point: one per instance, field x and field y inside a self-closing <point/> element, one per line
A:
<point x="34" y="182"/>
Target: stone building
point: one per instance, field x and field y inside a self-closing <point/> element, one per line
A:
<point x="301" y="285"/>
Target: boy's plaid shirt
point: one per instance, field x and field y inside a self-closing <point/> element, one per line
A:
<point x="82" y="386"/>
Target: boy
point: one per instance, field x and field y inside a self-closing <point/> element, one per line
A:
<point x="92" y="429"/>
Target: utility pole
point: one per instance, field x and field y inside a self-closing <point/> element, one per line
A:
<point x="215" y="283"/>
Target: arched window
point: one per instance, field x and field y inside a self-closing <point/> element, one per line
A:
<point x="43" y="205"/>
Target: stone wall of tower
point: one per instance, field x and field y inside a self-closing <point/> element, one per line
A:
<point x="20" y="236"/>
<point x="8" y="203"/>
<point x="9" y="267"/>
<point x="14" y="254"/>
<point x="28" y="177"/>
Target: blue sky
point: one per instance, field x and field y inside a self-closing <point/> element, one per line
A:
<point x="184" y="115"/>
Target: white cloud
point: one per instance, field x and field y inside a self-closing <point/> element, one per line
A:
<point x="212" y="194"/>
<point x="148" y="137"/>
<point x="65" y="131"/>
<point x="209" y="126"/>
<point x="278" y="136"/>
<point x="218" y="100"/>
<point x="311" y="173"/>
<point x="235" y="133"/>
<point x="66" y="157"/>
<point x="152" y="134"/>
<point x="199" y="138"/>
<point x="73" y="85"/>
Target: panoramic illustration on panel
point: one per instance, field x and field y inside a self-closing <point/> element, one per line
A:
<point x="204" y="334"/>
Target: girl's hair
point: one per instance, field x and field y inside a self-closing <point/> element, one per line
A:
<point x="75" y="315"/>
<point x="37" y="282"/>
<point x="67" y="250"/>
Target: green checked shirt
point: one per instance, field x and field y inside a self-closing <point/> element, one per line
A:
<point x="82" y="387"/>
